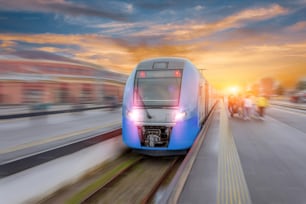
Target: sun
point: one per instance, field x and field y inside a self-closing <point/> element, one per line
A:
<point x="233" y="90"/>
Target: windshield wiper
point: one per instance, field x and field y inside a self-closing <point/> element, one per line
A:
<point x="143" y="104"/>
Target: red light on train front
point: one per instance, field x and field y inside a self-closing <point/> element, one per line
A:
<point x="142" y="74"/>
<point x="177" y="73"/>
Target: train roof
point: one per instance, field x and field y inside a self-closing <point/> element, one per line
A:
<point x="170" y="63"/>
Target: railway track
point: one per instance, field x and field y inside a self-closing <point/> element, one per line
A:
<point x="131" y="178"/>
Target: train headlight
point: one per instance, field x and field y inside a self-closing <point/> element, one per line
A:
<point x="133" y="114"/>
<point x="180" y="115"/>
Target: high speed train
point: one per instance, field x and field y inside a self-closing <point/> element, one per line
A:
<point x="165" y="103"/>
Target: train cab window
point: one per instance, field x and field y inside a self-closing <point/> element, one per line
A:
<point x="157" y="88"/>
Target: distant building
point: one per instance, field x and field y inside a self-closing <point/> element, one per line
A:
<point x="27" y="82"/>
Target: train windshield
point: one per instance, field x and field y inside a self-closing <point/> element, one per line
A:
<point x="157" y="88"/>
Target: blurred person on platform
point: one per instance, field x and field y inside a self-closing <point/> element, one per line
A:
<point x="248" y="105"/>
<point x="240" y="104"/>
<point x="232" y="104"/>
<point x="262" y="103"/>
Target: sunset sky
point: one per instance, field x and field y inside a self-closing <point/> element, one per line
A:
<point x="236" y="42"/>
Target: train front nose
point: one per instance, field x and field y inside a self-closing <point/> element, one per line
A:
<point x="152" y="127"/>
<point x="165" y="129"/>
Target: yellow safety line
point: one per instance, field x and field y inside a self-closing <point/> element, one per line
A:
<point x="232" y="187"/>
<point x="52" y="139"/>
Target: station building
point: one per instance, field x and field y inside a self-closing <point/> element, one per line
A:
<point x="28" y="82"/>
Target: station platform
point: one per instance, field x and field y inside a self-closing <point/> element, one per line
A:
<point x="19" y="109"/>
<point x="250" y="161"/>
<point x="28" y="136"/>
<point x="32" y="110"/>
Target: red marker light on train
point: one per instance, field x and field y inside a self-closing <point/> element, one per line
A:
<point x="142" y="74"/>
<point x="177" y="73"/>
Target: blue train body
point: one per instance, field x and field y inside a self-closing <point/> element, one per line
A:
<point x="164" y="105"/>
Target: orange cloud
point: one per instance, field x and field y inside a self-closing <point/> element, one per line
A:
<point x="225" y="65"/>
<point x="197" y="29"/>
<point x="7" y="45"/>
<point x="299" y="26"/>
<point x="242" y="57"/>
<point x="191" y="30"/>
